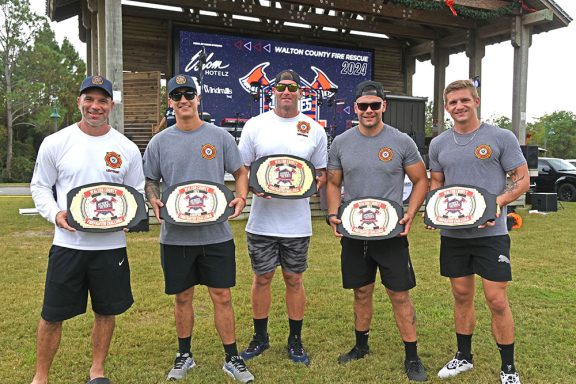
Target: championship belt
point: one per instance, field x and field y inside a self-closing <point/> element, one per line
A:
<point x="370" y="218"/>
<point x="459" y="206"/>
<point x="105" y="207"/>
<point x="283" y="177"/>
<point x="196" y="202"/>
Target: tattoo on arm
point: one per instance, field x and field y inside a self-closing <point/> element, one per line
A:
<point x="513" y="180"/>
<point x="152" y="188"/>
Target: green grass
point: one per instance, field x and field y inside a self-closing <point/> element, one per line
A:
<point x="542" y="295"/>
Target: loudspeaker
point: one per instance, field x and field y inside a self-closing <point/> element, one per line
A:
<point x="530" y="153"/>
<point x="545" y="202"/>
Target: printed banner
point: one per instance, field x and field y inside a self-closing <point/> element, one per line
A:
<point x="239" y="75"/>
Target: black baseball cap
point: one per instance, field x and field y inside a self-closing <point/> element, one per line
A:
<point x="96" y="81"/>
<point x="287" y="74"/>
<point x="180" y="81"/>
<point x="370" y="88"/>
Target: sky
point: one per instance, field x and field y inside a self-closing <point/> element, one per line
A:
<point x="551" y="75"/>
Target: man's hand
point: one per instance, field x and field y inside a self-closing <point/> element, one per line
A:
<point x="61" y="221"/>
<point x="238" y="203"/>
<point x="156" y="205"/>
<point x="334" y="221"/>
<point x="406" y="221"/>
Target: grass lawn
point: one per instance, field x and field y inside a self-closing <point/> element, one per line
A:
<point x="542" y="295"/>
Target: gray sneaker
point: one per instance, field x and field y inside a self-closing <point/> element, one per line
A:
<point x="236" y="369"/>
<point x="182" y="364"/>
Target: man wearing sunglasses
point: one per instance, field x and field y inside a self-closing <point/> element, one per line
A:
<point x="372" y="159"/>
<point x="279" y="230"/>
<point x="196" y="150"/>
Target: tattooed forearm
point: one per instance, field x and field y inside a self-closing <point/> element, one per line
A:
<point x="152" y="188"/>
<point x="513" y="181"/>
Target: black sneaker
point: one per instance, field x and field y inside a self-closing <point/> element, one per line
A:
<point x="296" y="352"/>
<point x="355" y="353"/>
<point x="415" y="370"/>
<point x="256" y="347"/>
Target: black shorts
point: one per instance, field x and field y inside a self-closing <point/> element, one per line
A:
<point x="268" y="252"/>
<point x="360" y="259"/>
<point x="488" y="257"/>
<point x="72" y="273"/>
<point x="185" y="266"/>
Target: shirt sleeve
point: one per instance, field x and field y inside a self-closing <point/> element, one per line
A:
<point x="135" y="175"/>
<point x="319" y="157"/>
<point x="245" y="145"/>
<point x="433" y="157"/>
<point x="43" y="179"/>
<point x="232" y="158"/>
<point x="151" y="163"/>
<point x="411" y="154"/>
<point x="511" y="156"/>
<point x="334" y="156"/>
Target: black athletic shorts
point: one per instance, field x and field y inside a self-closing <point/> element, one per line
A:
<point x="268" y="252"/>
<point x="72" y="273"/>
<point x="185" y="266"/>
<point x="488" y="257"/>
<point x="360" y="259"/>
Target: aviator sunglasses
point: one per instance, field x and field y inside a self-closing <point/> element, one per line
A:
<point x="189" y="95"/>
<point x="373" y="106"/>
<point x="282" y="87"/>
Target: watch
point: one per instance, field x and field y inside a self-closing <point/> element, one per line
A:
<point x="328" y="216"/>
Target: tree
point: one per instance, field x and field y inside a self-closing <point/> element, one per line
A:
<point x="18" y="28"/>
<point x="500" y="121"/>
<point x="557" y="133"/>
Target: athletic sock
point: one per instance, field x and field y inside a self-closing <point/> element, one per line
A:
<point x="230" y="350"/>
<point x="261" y="327"/>
<point x="362" y="338"/>
<point x="507" y="355"/>
<point x="411" y="350"/>
<point x="295" y="329"/>
<point x="184" y="344"/>
<point x="464" y="346"/>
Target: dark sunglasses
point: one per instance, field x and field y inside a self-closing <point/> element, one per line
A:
<point x="291" y="87"/>
<point x="189" y="95"/>
<point x="373" y="106"/>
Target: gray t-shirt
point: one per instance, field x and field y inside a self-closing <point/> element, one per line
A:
<point x="481" y="159"/>
<point x="175" y="156"/>
<point x="373" y="165"/>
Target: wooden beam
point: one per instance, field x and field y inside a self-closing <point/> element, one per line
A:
<point x="539" y="17"/>
<point x="114" y="67"/>
<point x="481" y="4"/>
<point x="520" y="79"/>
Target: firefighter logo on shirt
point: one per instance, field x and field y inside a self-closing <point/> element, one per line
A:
<point x="208" y="151"/>
<point x="483" y="152"/>
<point x="303" y="128"/>
<point x="113" y="160"/>
<point x="385" y="154"/>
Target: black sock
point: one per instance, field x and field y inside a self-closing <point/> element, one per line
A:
<point x="295" y="329"/>
<point x="230" y="350"/>
<point x="507" y="355"/>
<point x="464" y="346"/>
<point x="411" y="350"/>
<point x="184" y="344"/>
<point x="362" y="338"/>
<point x="261" y="327"/>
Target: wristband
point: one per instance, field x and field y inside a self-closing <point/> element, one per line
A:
<point x="328" y="216"/>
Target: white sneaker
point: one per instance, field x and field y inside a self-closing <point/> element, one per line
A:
<point x="182" y="364"/>
<point x="236" y="369"/>
<point x="455" y="366"/>
<point x="509" y="378"/>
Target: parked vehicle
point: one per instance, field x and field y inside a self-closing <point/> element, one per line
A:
<point x="556" y="175"/>
<point x="572" y="161"/>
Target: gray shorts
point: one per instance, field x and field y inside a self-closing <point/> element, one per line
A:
<point x="268" y="252"/>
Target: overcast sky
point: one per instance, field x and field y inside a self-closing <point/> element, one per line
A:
<point x="551" y="74"/>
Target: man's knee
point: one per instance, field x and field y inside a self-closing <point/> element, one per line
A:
<point x="293" y="281"/>
<point x="221" y="296"/>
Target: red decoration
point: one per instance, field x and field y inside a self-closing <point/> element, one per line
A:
<point x="450" y="4"/>
<point x="526" y="8"/>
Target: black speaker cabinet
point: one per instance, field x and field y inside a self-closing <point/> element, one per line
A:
<point x="545" y="202"/>
<point x="530" y="152"/>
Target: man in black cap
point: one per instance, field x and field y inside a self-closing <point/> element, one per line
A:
<point x="371" y="159"/>
<point x="193" y="149"/>
<point x="279" y="230"/>
<point x="90" y="151"/>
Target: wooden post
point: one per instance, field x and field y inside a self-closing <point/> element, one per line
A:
<point x="101" y="38"/>
<point x="410" y="69"/>
<point x="475" y="50"/>
<point x="440" y="60"/>
<point x="521" y="36"/>
<point x="114" y="65"/>
<point x="94" y="44"/>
